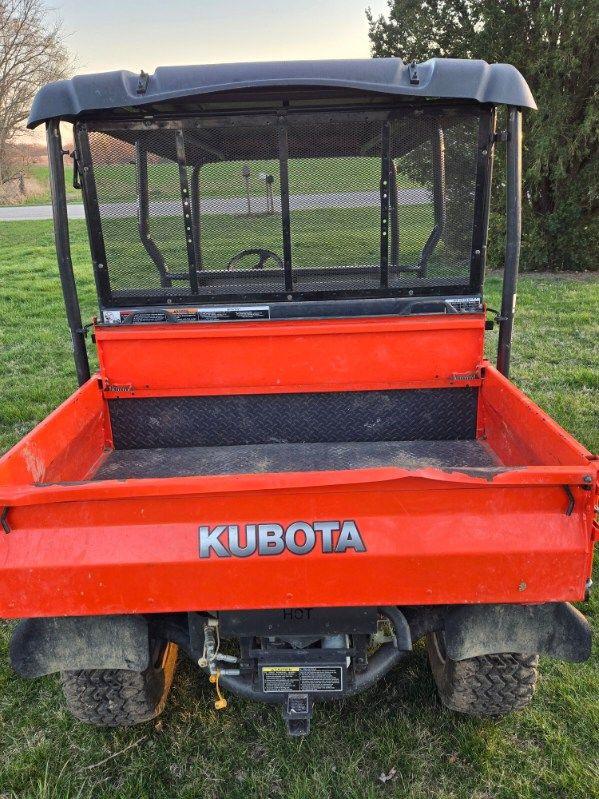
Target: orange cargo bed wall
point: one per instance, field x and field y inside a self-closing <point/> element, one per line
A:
<point x="64" y="446"/>
<point x="519" y="431"/>
<point x="281" y="356"/>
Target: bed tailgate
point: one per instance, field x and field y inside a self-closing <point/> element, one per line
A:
<point x="360" y="537"/>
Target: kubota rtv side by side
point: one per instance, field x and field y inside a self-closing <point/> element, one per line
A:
<point x="294" y="460"/>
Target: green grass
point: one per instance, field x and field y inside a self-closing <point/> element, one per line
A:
<point x="116" y="182"/>
<point x="549" y="750"/>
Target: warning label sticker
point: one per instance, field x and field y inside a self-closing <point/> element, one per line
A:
<point x="288" y="679"/>
<point x="214" y="313"/>
<point x="233" y="312"/>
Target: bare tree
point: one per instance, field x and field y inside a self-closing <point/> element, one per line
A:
<point x="31" y="53"/>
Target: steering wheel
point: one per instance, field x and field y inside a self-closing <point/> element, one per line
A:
<point x="263" y="257"/>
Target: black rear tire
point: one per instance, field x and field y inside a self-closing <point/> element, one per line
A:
<point x="118" y="697"/>
<point x="489" y="685"/>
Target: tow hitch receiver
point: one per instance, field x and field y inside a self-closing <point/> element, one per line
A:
<point x="297" y="712"/>
<point x="306" y="682"/>
<point x="295" y="657"/>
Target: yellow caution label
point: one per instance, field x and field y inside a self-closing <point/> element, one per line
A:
<point x="281" y="668"/>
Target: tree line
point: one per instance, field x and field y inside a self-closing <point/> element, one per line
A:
<point x="554" y="44"/>
<point x="32" y="53"/>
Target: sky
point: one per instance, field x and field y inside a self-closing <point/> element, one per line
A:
<point x="124" y="34"/>
<point x="103" y="35"/>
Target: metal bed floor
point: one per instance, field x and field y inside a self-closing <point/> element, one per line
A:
<point x="263" y="458"/>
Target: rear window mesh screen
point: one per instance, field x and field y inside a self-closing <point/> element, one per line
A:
<point x="334" y="204"/>
<point x="435" y="183"/>
<point x="145" y="252"/>
<point x="197" y="208"/>
<point x="238" y="214"/>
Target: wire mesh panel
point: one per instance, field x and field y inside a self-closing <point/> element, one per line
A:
<point x="285" y="206"/>
<point x="432" y="180"/>
<point x="334" y="198"/>
<point x="237" y="209"/>
<point x="140" y="204"/>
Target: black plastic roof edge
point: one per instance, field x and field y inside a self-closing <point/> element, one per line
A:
<point x="441" y="78"/>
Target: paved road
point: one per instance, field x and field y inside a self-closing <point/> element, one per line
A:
<point x="220" y="205"/>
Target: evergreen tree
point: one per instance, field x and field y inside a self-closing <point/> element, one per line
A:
<point x="555" y="44"/>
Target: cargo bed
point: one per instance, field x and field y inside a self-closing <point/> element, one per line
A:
<point x="464" y="488"/>
<point x="319" y="457"/>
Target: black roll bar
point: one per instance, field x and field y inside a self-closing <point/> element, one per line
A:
<point x="512" y="239"/>
<point x="394" y="215"/>
<point x="63" y="249"/>
<point x="196" y="210"/>
<point x="384" y="194"/>
<point x="283" y="147"/>
<point x="93" y="219"/>
<point x="143" y="214"/>
<point x="186" y="208"/>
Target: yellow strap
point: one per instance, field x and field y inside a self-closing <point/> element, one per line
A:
<point x="221" y="703"/>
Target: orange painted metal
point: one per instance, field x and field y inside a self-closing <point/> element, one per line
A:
<point x="425" y="545"/>
<point x="64" y="447"/>
<point x="519" y="431"/>
<point x="432" y="536"/>
<point x="277" y="356"/>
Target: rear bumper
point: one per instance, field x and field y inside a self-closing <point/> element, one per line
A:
<point x="430" y="538"/>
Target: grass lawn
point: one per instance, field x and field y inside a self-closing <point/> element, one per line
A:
<point x="39" y="192"/>
<point x="549" y="750"/>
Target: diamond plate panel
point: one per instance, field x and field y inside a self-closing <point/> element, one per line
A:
<point x="404" y="415"/>
<point x="125" y="464"/>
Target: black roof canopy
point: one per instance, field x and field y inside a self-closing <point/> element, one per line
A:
<point x="123" y="92"/>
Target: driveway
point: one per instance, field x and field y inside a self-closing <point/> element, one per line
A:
<point x="221" y="205"/>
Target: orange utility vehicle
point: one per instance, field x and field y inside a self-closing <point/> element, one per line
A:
<point x="294" y="460"/>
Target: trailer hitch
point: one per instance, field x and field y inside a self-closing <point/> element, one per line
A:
<point x="297" y="712"/>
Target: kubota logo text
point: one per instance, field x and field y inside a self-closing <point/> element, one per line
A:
<point x="300" y="538"/>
